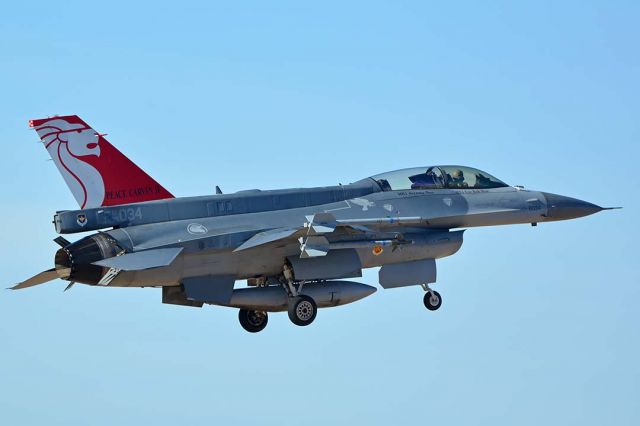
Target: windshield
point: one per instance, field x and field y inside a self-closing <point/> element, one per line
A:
<point x="437" y="177"/>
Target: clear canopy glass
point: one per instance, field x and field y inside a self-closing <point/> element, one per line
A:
<point x="437" y="177"/>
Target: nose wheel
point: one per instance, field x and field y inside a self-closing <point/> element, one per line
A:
<point x="253" y="321"/>
<point x="432" y="299"/>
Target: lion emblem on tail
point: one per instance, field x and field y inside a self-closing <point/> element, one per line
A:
<point x="68" y="143"/>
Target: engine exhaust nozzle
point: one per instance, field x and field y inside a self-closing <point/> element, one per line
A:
<point x="75" y="261"/>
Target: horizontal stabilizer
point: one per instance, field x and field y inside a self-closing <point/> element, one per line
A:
<point x="141" y="260"/>
<point x="41" y="278"/>
<point x="266" y="237"/>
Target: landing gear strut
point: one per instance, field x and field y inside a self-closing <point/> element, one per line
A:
<point x="302" y="309"/>
<point x="253" y="321"/>
<point x="432" y="299"/>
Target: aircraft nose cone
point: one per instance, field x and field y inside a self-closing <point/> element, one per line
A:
<point x="560" y="207"/>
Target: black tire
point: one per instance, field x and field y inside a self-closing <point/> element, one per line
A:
<point x="302" y="310"/>
<point x="253" y="321"/>
<point x="432" y="300"/>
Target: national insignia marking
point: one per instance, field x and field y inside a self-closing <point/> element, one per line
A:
<point x="82" y="219"/>
<point x="197" y="229"/>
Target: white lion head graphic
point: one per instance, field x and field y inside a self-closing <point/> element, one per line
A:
<point x="67" y="143"/>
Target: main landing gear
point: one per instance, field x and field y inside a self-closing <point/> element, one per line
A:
<point x="302" y="310"/>
<point x="253" y="321"/>
<point x="432" y="299"/>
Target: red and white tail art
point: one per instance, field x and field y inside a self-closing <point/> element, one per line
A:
<point x="95" y="171"/>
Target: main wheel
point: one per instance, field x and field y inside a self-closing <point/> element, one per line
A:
<point x="302" y="310"/>
<point x="432" y="300"/>
<point x="253" y="321"/>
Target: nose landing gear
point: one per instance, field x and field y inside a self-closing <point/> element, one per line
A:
<point x="432" y="299"/>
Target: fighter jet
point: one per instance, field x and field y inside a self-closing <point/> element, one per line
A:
<point x="294" y="247"/>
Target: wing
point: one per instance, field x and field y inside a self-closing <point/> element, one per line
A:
<point x="319" y="234"/>
<point x="322" y="232"/>
<point x="269" y="236"/>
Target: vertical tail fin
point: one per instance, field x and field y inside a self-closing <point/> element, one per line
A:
<point x="95" y="171"/>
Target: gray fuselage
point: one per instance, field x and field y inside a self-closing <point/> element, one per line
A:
<point x="208" y="229"/>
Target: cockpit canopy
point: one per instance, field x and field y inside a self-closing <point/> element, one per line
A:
<point x="437" y="177"/>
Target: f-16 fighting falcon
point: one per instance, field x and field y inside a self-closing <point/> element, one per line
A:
<point x="295" y="247"/>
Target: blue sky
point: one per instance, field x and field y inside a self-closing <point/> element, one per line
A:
<point x="538" y="325"/>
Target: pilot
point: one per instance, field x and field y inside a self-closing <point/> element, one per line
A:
<point x="457" y="179"/>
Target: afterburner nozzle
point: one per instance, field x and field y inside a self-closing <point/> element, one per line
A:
<point x="74" y="262"/>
